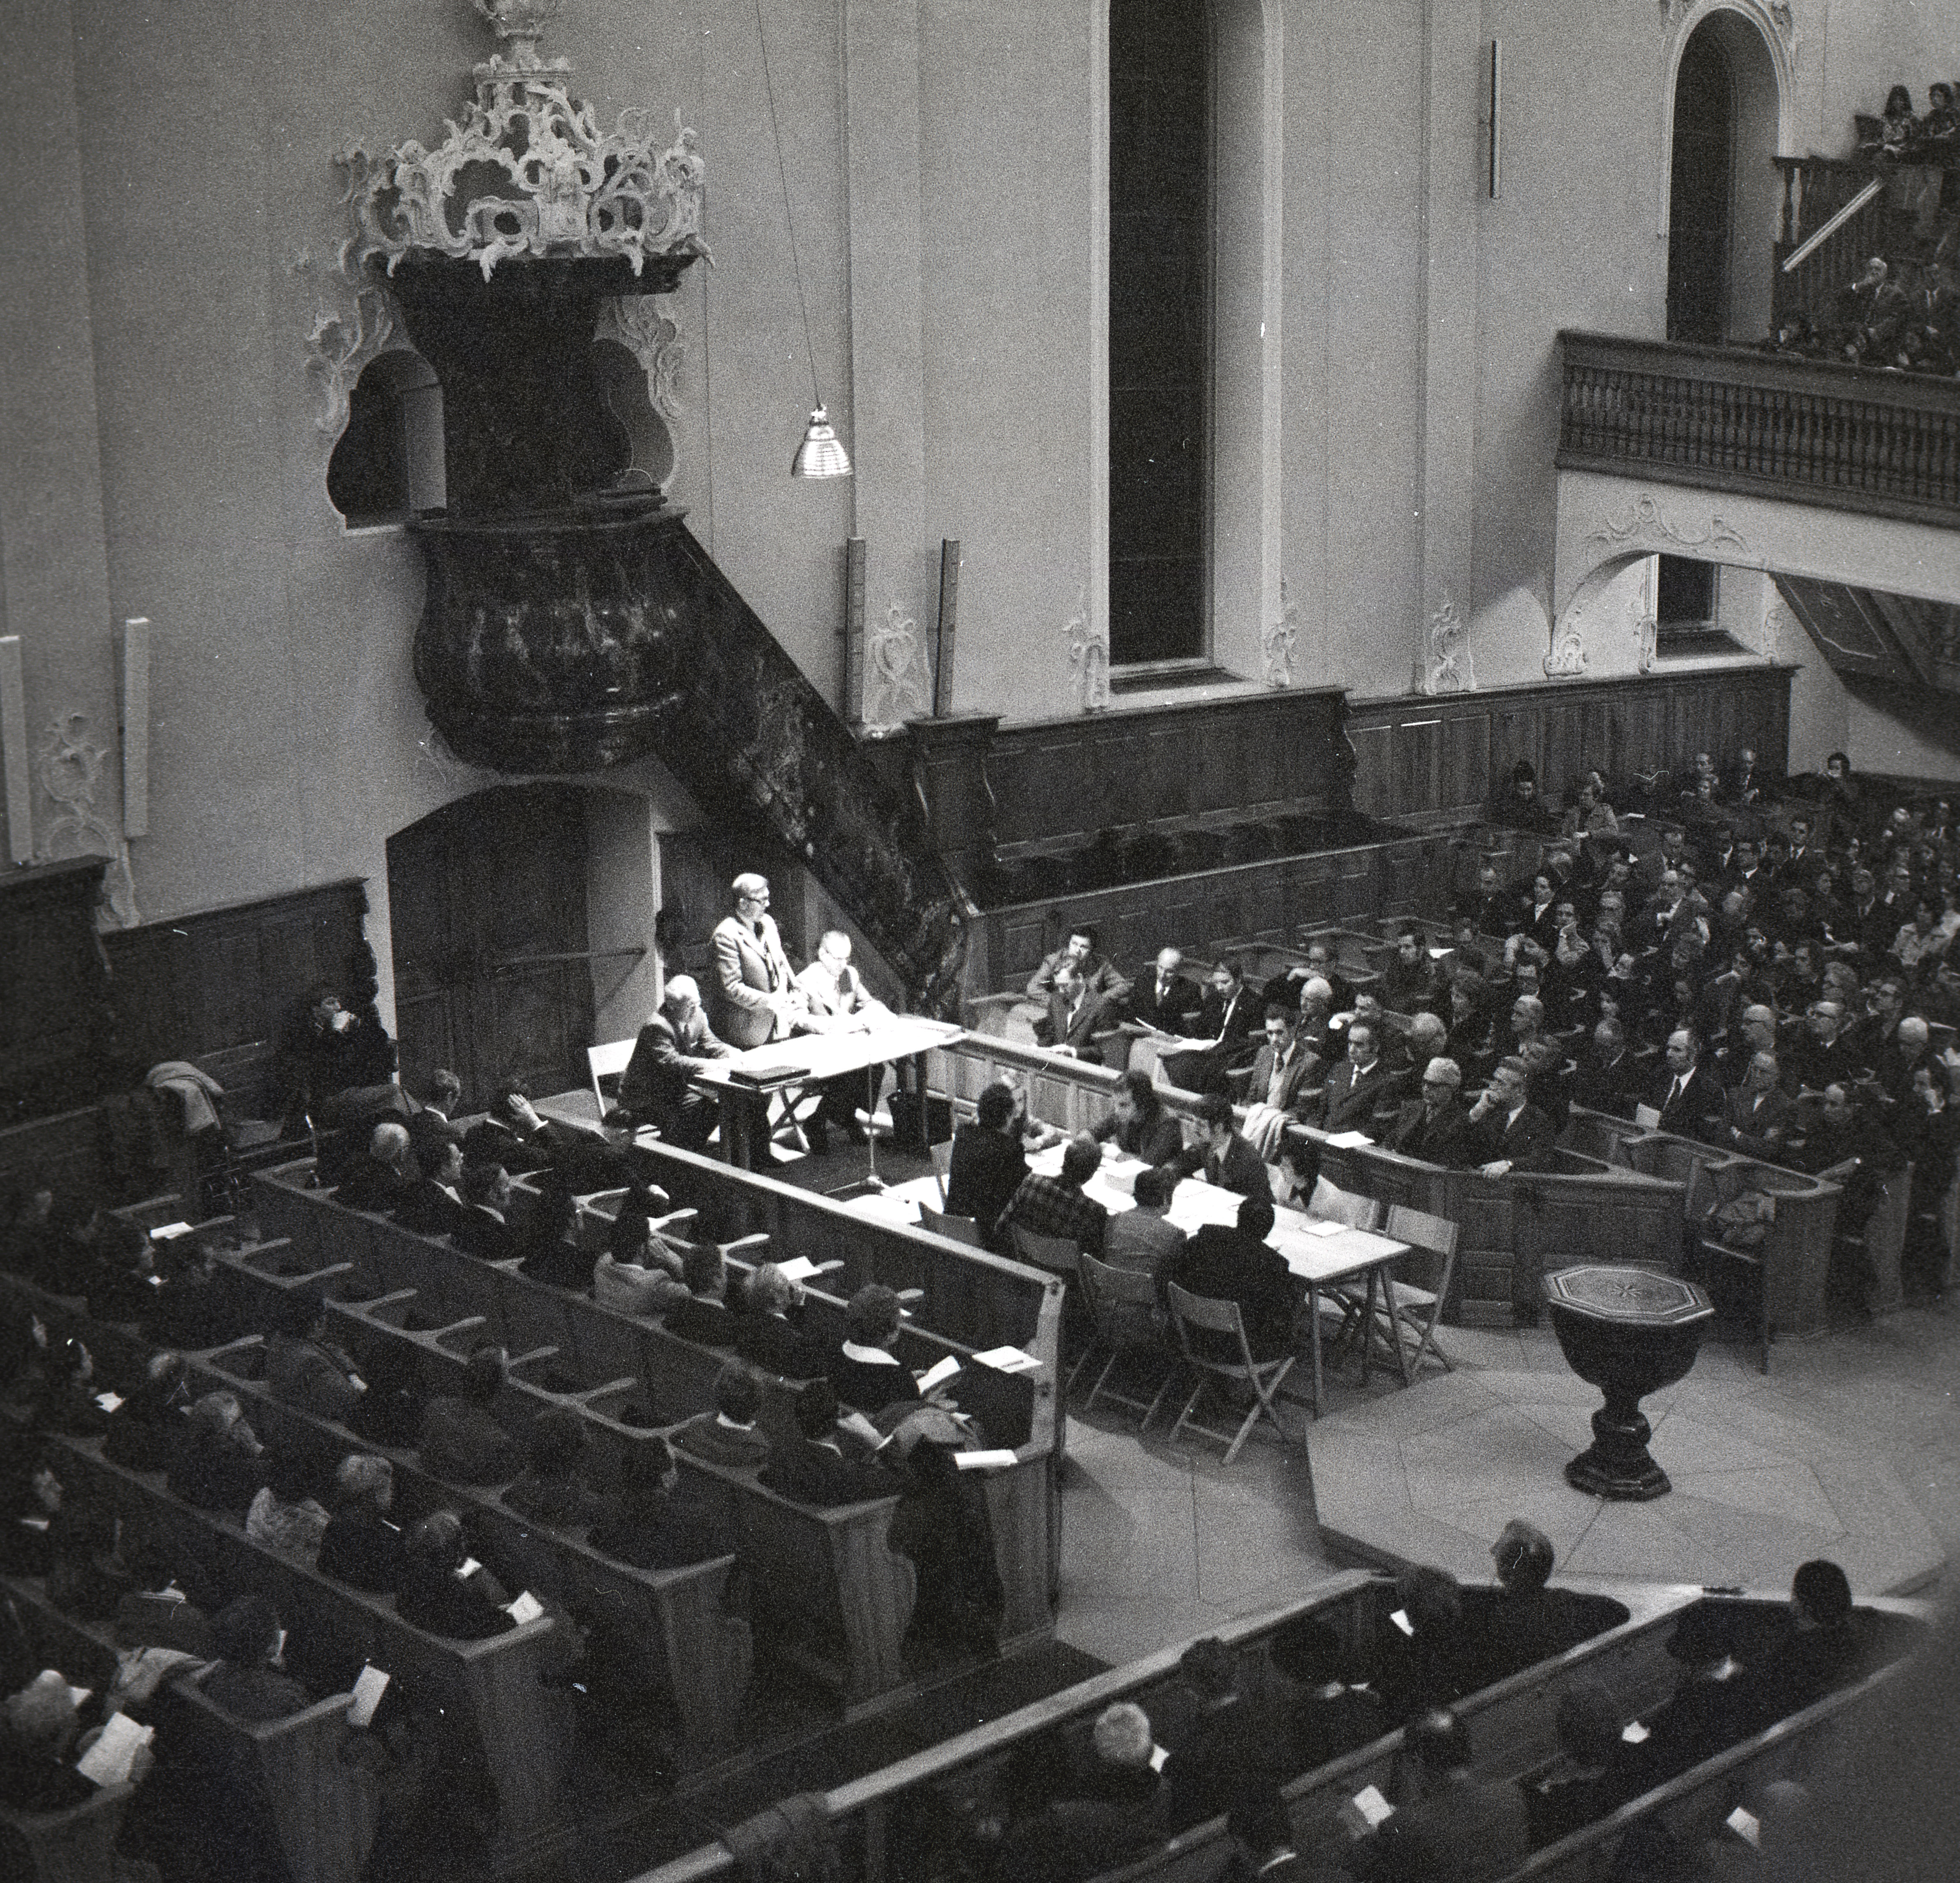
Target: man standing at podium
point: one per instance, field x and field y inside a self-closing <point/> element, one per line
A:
<point x="755" y="998"/>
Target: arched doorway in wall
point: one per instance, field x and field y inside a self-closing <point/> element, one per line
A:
<point x="488" y="914"/>
<point x="1723" y="194"/>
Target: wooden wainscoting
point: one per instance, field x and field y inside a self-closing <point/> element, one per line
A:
<point x="1445" y="758"/>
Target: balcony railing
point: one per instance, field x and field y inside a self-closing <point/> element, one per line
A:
<point x="1725" y="419"/>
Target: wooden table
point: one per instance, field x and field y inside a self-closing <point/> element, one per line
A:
<point x="744" y="1083"/>
<point x="1321" y="1254"/>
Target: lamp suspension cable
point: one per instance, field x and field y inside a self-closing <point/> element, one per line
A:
<point x="822" y="452"/>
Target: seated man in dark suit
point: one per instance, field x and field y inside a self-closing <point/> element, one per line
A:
<point x="302" y="1368"/>
<point x="440" y="1591"/>
<point x="432" y="1205"/>
<point x="1713" y="1706"/>
<point x="1434" y="1126"/>
<point x="1574" y="1791"/>
<point x="1165" y="998"/>
<point x="988" y="1161"/>
<point x="1529" y="1623"/>
<point x="1331" y="1713"/>
<point x="486" y="1224"/>
<point x="1137" y="1125"/>
<point x="1229" y="1742"/>
<point x="335" y="1066"/>
<point x="1688" y="1098"/>
<point x="812" y="1469"/>
<point x="1608" y="1077"/>
<point x="1459" y="1829"/>
<point x="1219" y="1155"/>
<point x="705" y="1316"/>
<point x="1359" y="1086"/>
<point x="1507" y="1132"/>
<point x="1819" y="1653"/>
<point x="380" y="1178"/>
<point x="1238" y="1264"/>
<point x="1075" y="1015"/>
<point x="1228" y="1020"/>
<point x="1410" y="982"/>
<point x="1756" y="1116"/>
<point x="654" y="1089"/>
<point x="512" y="1134"/>
<point x="728" y="1435"/>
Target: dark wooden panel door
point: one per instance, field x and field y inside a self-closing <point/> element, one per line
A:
<point x="488" y="912"/>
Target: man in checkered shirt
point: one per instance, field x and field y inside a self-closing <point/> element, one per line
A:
<point x="1055" y="1206"/>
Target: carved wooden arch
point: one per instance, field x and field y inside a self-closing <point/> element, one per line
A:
<point x="1775" y="25"/>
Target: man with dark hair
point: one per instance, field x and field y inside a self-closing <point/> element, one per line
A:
<point x="867" y="1372"/>
<point x="485" y="1226"/>
<point x="1143" y="1240"/>
<point x="1226" y="1745"/>
<point x="247" y="1682"/>
<point x="432" y="1206"/>
<point x="1055" y="1206"/>
<point x="1332" y="1714"/>
<point x="1238" y="1264"/>
<point x="1607" y="1075"/>
<point x="1575" y="1790"/>
<point x="1359" y="1086"/>
<point x="1137" y="1125"/>
<point x="1220" y="1154"/>
<point x="812" y="1468"/>
<point x="462" y="1440"/>
<point x="1410" y="982"/>
<point x="652" y="1521"/>
<point x="334" y="1066"/>
<point x="1819" y="1653"/>
<point x="1078" y="951"/>
<point x="444" y="1592"/>
<point x="656" y="1088"/>
<point x="1281" y="1073"/>
<point x="1458" y="1830"/>
<point x="988" y="1161"/>
<point x="301" y="1368"/>
<point x="1075" y="1014"/>
<point x="1226" y="1020"/>
<point x="729" y="1434"/>
<point x="549" y="1489"/>
<point x="704" y="1316"/>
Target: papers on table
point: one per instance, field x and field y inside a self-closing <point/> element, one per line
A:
<point x="526" y="1607"/>
<point x="1320" y="1226"/>
<point x="169" y="1232"/>
<point x="983" y="1461"/>
<point x="938" y="1375"/>
<point x="367" y="1692"/>
<point x="1008" y="1360"/>
<point x="108" y="1761"/>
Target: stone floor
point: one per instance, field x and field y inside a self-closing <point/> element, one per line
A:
<point x="1849" y="1448"/>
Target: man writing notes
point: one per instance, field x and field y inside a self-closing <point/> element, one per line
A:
<point x="839" y="1002"/>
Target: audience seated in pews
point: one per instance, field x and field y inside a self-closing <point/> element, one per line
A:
<point x="1458" y="1829"/>
<point x="382" y="1175"/>
<point x="1425" y="1660"/>
<point x="813" y="1466"/>
<point x="488" y="1225"/>
<point x="865" y="1371"/>
<point x="552" y="1249"/>
<point x="728" y="1435"/>
<point x="1103" y="1814"/>
<point x="360" y="1546"/>
<point x="443" y="1590"/>
<point x="249" y="1681"/>
<point x="143" y="1432"/>
<point x="650" y="1520"/>
<point x="550" y="1490"/>
<point x="769" y="1332"/>
<point x="284" y="1516"/>
<point x="462" y="1440"/>
<point x="699" y="1311"/>
<point x="1230" y="1741"/>
<point x="1330" y="1713"/>
<point x="220" y="1464"/>
<point x="302" y="1367"/>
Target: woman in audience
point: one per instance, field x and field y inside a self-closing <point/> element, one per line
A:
<point x="728" y="1435"/>
<point x="168" y="1605"/>
<point x="284" y="1516"/>
<point x="220" y="1465"/>
<point x="942" y="1524"/>
<point x="867" y="1372"/>
<point x="769" y="1333"/>
<point x="548" y="1490"/>
<point x="463" y="1440"/>
<point x="86" y="1579"/>
<point x="359" y="1545"/>
<point x="444" y="1591"/>
<point x="145" y="1430"/>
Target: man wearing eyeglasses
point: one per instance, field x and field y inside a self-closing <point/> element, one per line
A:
<point x="756" y="998"/>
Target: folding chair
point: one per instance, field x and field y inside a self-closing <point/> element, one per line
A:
<point x="1407" y="1305"/>
<point x="607" y="1061"/>
<point x="1189" y="1311"/>
<point x="942" y="1167"/>
<point x="1122" y="1305"/>
<point x="1057" y="1254"/>
<point x="954" y="1228"/>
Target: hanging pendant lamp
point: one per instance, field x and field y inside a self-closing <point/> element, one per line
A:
<point x="822" y="453"/>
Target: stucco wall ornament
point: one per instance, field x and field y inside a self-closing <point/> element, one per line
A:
<point x="1088" y="657"/>
<point x="639" y="324"/>
<point x="1646" y="630"/>
<point x="1644" y="524"/>
<point x="528" y="172"/>
<point x="901" y="687"/>
<point x="1281" y="643"/>
<point x="69" y="764"/>
<point x="1451" y="669"/>
<point x="1567" y="658"/>
<point x="341" y="343"/>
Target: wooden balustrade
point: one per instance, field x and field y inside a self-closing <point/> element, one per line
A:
<point x="1726" y="418"/>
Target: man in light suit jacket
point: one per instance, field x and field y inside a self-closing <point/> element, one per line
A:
<point x="755" y="998"/>
<point x="1285" y="1066"/>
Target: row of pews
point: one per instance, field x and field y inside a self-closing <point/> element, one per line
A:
<point x="820" y="1587"/>
<point x="909" y="1823"/>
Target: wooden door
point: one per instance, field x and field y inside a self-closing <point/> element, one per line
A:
<point x="488" y="911"/>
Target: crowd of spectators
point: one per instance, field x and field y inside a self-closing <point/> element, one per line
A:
<point x="1898" y="136"/>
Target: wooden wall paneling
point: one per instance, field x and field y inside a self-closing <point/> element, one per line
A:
<point x="1374" y="762"/>
<point x="1515" y="735"/>
<point x="1561" y="746"/>
<point x="1465" y="760"/>
<point x="1415" y="748"/>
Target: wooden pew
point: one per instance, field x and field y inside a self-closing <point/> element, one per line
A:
<point x="704" y="1652"/>
<point x="286" y="1774"/>
<point x="522" y="1727"/>
<point x="1805" y="1745"/>
<point x="908" y="1806"/>
<point x="75" y="1846"/>
<point x="830" y="1595"/>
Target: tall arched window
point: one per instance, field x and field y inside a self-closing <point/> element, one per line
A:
<point x="1160" y="188"/>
